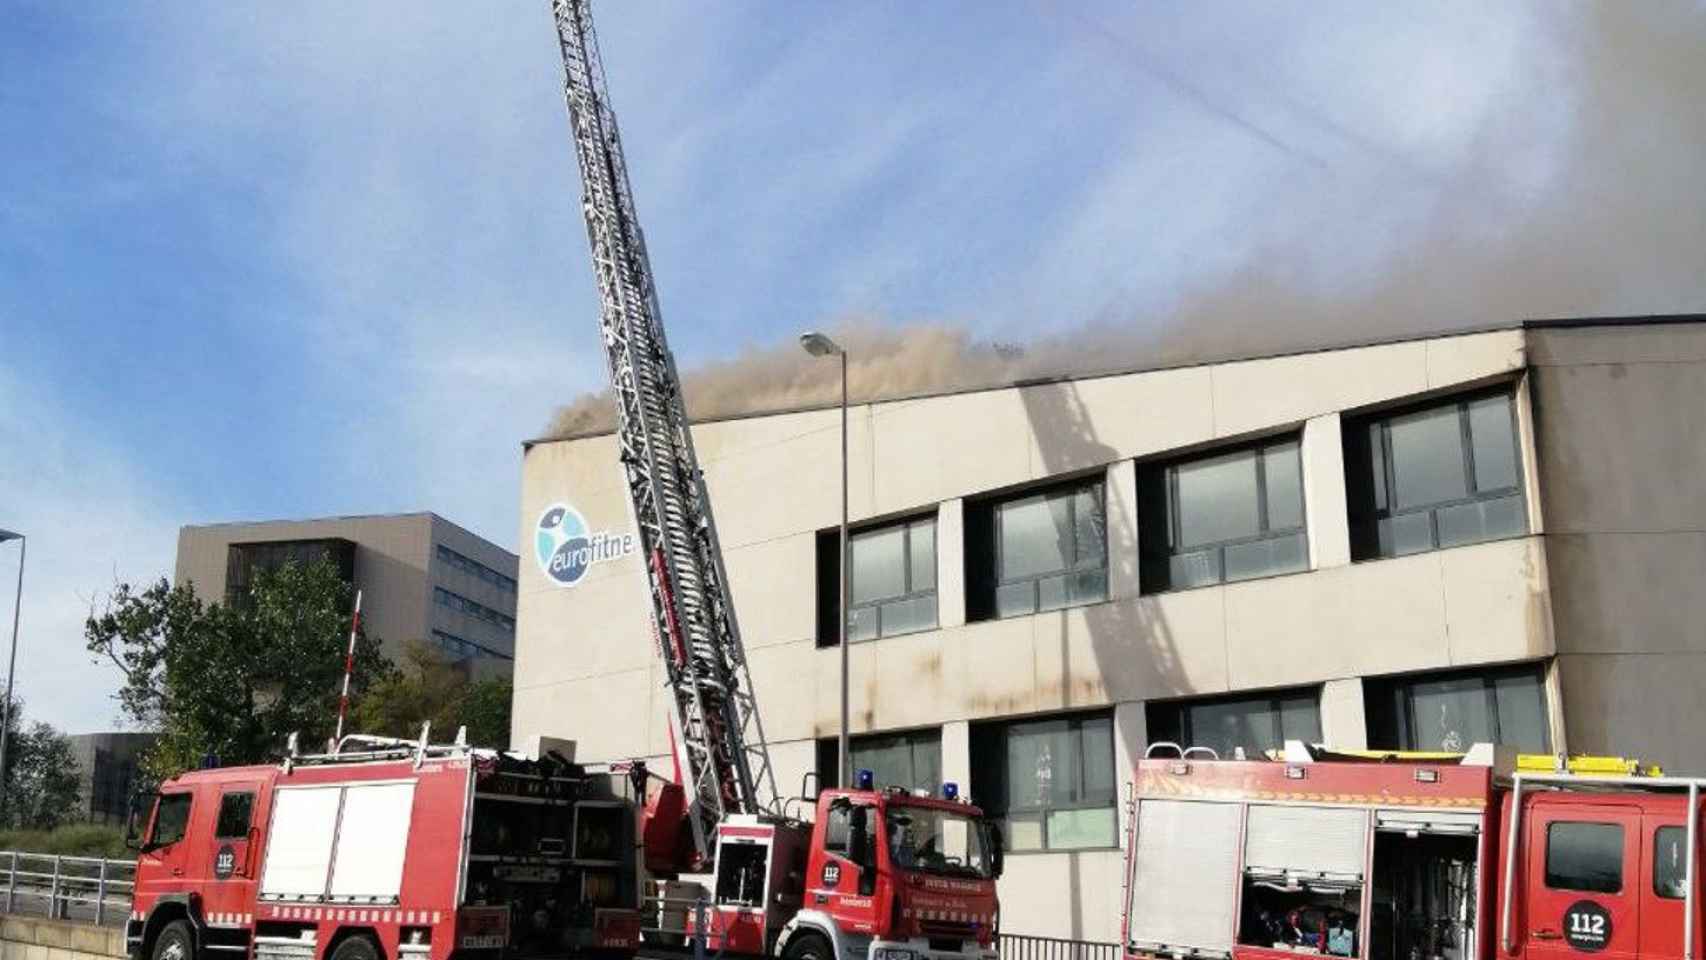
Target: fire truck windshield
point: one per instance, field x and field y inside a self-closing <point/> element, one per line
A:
<point x="940" y="842"/>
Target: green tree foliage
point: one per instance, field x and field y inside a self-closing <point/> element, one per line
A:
<point x="233" y="681"/>
<point x="430" y="689"/>
<point x="41" y="776"/>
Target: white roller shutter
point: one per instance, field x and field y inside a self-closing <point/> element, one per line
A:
<point x="1428" y="821"/>
<point x="372" y="837"/>
<point x="299" y="845"/>
<point x="1187" y="875"/>
<point x="1308" y="840"/>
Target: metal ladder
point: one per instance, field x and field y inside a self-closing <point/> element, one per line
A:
<point x="693" y="618"/>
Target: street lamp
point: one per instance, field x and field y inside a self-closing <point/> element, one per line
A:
<point x="12" y="665"/>
<point x="819" y="345"/>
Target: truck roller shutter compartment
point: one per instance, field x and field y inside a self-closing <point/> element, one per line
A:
<point x="1186" y="876"/>
<point x="299" y="852"/>
<point x="1318" y="841"/>
<point x="372" y="838"/>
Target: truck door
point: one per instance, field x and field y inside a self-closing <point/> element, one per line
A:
<point x="1664" y="837"/>
<point x="163" y="864"/>
<point x="845" y="884"/>
<point x="1583" y="881"/>
<point x="230" y="888"/>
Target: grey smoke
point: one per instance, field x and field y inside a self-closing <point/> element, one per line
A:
<point x="1619" y="228"/>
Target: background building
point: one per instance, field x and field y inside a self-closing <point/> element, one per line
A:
<point x="421" y="576"/>
<point x="1416" y="544"/>
<point x="107" y="773"/>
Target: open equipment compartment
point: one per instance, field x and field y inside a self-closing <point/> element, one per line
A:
<point x="1425" y="900"/>
<point x="1303" y="879"/>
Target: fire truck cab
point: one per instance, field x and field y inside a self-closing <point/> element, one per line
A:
<point x="385" y="849"/>
<point x="879" y="874"/>
<point x="1480" y="856"/>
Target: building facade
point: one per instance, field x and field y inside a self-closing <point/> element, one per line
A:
<point x="108" y="775"/>
<point x="422" y="577"/>
<point x="1417" y="544"/>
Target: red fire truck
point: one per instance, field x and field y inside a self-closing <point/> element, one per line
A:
<point x="884" y="874"/>
<point x="1479" y="856"/>
<point x="389" y="848"/>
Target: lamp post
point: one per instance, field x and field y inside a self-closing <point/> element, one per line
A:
<point x="12" y="662"/>
<point x="819" y="345"/>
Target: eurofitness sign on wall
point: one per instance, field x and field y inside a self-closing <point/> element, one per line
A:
<point x="566" y="549"/>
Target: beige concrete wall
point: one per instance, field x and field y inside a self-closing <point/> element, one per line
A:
<point x="34" y="938"/>
<point x="1621" y="441"/>
<point x="585" y="653"/>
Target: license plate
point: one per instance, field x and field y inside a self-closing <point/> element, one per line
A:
<point x="490" y="942"/>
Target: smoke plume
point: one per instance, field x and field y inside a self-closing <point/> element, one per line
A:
<point x="1612" y="224"/>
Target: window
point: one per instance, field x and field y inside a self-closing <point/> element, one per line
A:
<point x="234" y="812"/>
<point x="1584" y="856"/>
<point x="839" y="828"/>
<point x="892" y="588"/>
<point x="246" y="562"/>
<point x="1452" y="711"/>
<point x="457" y="648"/>
<point x="1229" y="516"/>
<point x="1255" y="723"/>
<point x="475" y="568"/>
<point x="1052" y="780"/>
<point x="1670" y="861"/>
<point x="911" y="759"/>
<point x="171" y="818"/>
<point x="1037" y="552"/>
<point x="478" y="611"/>
<point x="1440" y="476"/>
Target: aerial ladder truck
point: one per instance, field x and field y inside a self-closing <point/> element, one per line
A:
<point x="881" y="873"/>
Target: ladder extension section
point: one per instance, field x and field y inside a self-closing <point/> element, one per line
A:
<point x="727" y="763"/>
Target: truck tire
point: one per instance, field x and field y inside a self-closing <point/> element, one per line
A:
<point x="175" y="942"/>
<point x="808" y="945"/>
<point x="356" y="947"/>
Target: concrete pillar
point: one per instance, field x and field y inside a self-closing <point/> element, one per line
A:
<point x="956" y="755"/>
<point x="1554" y="682"/>
<point x="1326" y="515"/>
<point x="1525" y="434"/>
<point x="1122" y="530"/>
<point x="1344" y="725"/>
<point x="1131" y="738"/>
<point x="951" y="563"/>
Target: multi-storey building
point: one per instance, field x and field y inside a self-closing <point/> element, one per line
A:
<point x="1424" y="543"/>
<point x="422" y="577"/>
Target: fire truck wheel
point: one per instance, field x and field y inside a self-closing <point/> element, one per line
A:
<point x="358" y="947"/>
<point x="175" y="942"/>
<point x="808" y="946"/>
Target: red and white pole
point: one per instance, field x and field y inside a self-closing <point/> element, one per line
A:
<point x="349" y="668"/>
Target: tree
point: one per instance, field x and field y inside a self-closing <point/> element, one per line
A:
<point x="231" y="682"/>
<point x="41" y="776"/>
<point x="430" y="689"/>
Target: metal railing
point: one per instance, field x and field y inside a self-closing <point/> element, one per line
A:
<point x="1018" y="946"/>
<point x="89" y="889"/>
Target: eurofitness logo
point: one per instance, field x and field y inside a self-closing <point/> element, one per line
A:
<point x="566" y="549"/>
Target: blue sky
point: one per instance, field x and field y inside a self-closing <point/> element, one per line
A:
<point x="261" y="266"/>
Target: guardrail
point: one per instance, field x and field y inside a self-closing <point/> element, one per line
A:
<point x="1018" y="946"/>
<point x="66" y="888"/>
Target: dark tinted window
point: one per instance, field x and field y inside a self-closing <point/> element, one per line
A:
<point x="1670" y="860"/>
<point x="1228" y="516"/>
<point x="1454" y="710"/>
<point x="1584" y="856"/>
<point x="171" y="818"/>
<point x="1438" y="476"/>
<point x="234" y="813"/>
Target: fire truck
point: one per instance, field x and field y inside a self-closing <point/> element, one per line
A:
<point x="390" y="848"/>
<point x="1478" y="856"/>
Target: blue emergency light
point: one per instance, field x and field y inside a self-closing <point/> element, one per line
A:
<point x="865" y="780"/>
<point x="950" y="790"/>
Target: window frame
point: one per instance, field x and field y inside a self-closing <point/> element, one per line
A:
<point x="1681" y="878"/>
<point x="1070" y="490"/>
<point x="1174" y="545"/>
<point x="154" y="841"/>
<point x="1000" y="810"/>
<point x="905" y="524"/>
<point x="1273" y="700"/>
<point x="1409" y="722"/>
<point x="248" y="818"/>
<point x="1381" y="424"/>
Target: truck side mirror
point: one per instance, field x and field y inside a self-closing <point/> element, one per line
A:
<point x="132" y="834"/>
